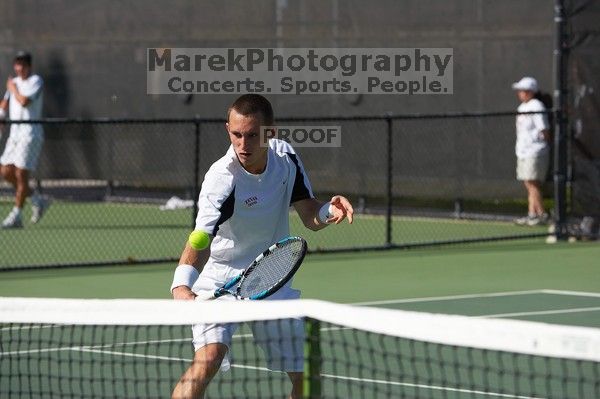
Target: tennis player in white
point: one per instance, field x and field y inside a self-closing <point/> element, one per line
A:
<point x="23" y="99"/>
<point x="244" y="207"/>
<point x="532" y="149"/>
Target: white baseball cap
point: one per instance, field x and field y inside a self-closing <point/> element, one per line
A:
<point x="526" y="83"/>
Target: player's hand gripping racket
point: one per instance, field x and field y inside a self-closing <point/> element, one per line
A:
<point x="267" y="273"/>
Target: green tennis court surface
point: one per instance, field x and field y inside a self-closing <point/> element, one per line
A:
<point x="557" y="284"/>
<point x="75" y="232"/>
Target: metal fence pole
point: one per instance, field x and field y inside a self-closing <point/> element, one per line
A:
<point x="560" y="144"/>
<point x="388" y="219"/>
<point x="196" y="185"/>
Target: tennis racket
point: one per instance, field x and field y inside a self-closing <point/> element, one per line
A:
<point x="267" y="273"/>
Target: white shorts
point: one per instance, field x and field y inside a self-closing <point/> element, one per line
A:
<point x="534" y="168"/>
<point x="23" y="148"/>
<point x="282" y="341"/>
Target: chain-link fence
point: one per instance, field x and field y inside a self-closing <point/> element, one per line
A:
<point x="123" y="191"/>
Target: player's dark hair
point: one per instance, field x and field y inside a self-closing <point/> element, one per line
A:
<point x="249" y="104"/>
<point x="23" y="57"/>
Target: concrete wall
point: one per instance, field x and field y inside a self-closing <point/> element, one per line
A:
<point x="92" y="53"/>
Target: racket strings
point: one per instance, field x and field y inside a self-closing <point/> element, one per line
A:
<point x="271" y="269"/>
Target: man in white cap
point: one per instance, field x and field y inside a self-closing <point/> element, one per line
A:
<point x="532" y="149"/>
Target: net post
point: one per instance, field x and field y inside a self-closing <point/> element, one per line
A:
<point x="312" y="359"/>
<point x="196" y="185"/>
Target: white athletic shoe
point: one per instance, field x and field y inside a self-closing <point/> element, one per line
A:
<point x="538" y="220"/>
<point x="524" y="221"/>
<point x="39" y="206"/>
<point x="533" y="220"/>
<point x="12" y="221"/>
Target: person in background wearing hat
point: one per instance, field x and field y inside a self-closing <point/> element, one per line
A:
<point x="532" y="149"/>
<point x="23" y="101"/>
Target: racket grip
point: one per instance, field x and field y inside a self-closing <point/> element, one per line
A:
<point x="205" y="296"/>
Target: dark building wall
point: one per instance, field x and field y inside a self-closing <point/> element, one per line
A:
<point x="92" y="53"/>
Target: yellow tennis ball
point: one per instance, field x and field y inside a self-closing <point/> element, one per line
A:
<point x="199" y="240"/>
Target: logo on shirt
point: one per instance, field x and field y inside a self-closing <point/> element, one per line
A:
<point x="251" y="201"/>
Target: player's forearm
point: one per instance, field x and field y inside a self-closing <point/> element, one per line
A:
<point x="191" y="264"/>
<point x="18" y="96"/>
<point x="310" y="212"/>
<point x="313" y="222"/>
<point x="319" y="220"/>
<point x="198" y="259"/>
<point x="21" y="99"/>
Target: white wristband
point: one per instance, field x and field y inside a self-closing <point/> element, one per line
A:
<point x="2" y="113"/>
<point x="184" y="275"/>
<point x="325" y="212"/>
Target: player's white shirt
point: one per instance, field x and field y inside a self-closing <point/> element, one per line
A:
<point x="530" y="141"/>
<point x="247" y="213"/>
<point x="32" y="88"/>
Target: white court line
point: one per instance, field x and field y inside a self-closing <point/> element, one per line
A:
<point x="127" y="354"/>
<point x="432" y="387"/>
<point x="243" y="366"/>
<point x="27" y="327"/>
<point x="130" y="343"/>
<point x="332" y="376"/>
<point x="155" y="357"/>
<point x="447" y="297"/>
<point x="40" y="350"/>
<point x="541" y="312"/>
<point x="93" y="347"/>
<point x="572" y="293"/>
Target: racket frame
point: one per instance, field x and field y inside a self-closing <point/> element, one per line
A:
<point x="232" y="287"/>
